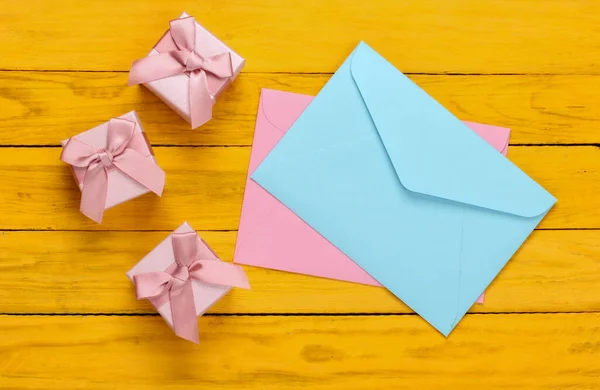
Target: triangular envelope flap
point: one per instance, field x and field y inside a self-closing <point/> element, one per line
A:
<point x="281" y="108"/>
<point x="434" y="153"/>
<point x="277" y="111"/>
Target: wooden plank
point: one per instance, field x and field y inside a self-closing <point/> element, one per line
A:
<point x="205" y="186"/>
<point x="83" y="272"/>
<point x="333" y="353"/>
<point x="494" y="36"/>
<point x="47" y="107"/>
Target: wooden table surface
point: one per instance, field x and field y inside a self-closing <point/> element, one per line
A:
<point x="69" y="318"/>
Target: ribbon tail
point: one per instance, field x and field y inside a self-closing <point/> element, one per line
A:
<point x="183" y="311"/>
<point x="141" y="169"/>
<point x="93" y="193"/>
<point x="220" y="273"/>
<point x="155" y="67"/>
<point x="200" y="101"/>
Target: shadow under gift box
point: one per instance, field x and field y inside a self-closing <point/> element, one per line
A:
<point x="175" y="90"/>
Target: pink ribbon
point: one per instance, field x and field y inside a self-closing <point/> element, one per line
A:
<point x="174" y="284"/>
<point x="187" y="60"/>
<point x="119" y="154"/>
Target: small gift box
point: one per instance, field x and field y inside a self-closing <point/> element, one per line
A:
<point x="112" y="163"/>
<point x="188" y="68"/>
<point x="182" y="278"/>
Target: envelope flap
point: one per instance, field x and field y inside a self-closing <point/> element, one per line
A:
<point x="434" y="153"/>
<point x="281" y="109"/>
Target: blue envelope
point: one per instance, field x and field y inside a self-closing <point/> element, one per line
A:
<point x="403" y="188"/>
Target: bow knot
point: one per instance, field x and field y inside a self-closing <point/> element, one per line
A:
<point x="193" y="62"/>
<point x="187" y="59"/>
<point x="174" y="284"/>
<point x="181" y="273"/>
<point x="119" y="153"/>
<point x="105" y="157"/>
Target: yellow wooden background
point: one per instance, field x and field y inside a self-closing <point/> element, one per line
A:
<point x="69" y="319"/>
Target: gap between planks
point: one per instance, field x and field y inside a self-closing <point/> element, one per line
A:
<point x="321" y="73"/>
<point x="210" y="231"/>
<point x="7" y="314"/>
<point x="54" y="146"/>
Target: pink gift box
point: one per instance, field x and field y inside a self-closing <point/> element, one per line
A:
<point x="121" y="187"/>
<point x="175" y="90"/>
<point x="162" y="257"/>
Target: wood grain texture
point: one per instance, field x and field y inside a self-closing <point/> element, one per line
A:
<point x="528" y="65"/>
<point x="48" y="107"/>
<point x="334" y="353"/>
<point x="496" y="36"/>
<point x="83" y="272"/>
<point x="205" y="186"/>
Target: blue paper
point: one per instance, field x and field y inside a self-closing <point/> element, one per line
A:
<point x="403" y="188"/>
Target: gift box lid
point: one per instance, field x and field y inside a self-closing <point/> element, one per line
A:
<point x="162" y="256"/>
<point x="121" y="187"/>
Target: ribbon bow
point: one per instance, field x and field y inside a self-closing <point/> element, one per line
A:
<point x="119" y="154"/>
<point x="188" y="59"/>
<point x="174" y="284"/>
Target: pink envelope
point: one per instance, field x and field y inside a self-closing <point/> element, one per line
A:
<point x="272" y="236"/>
